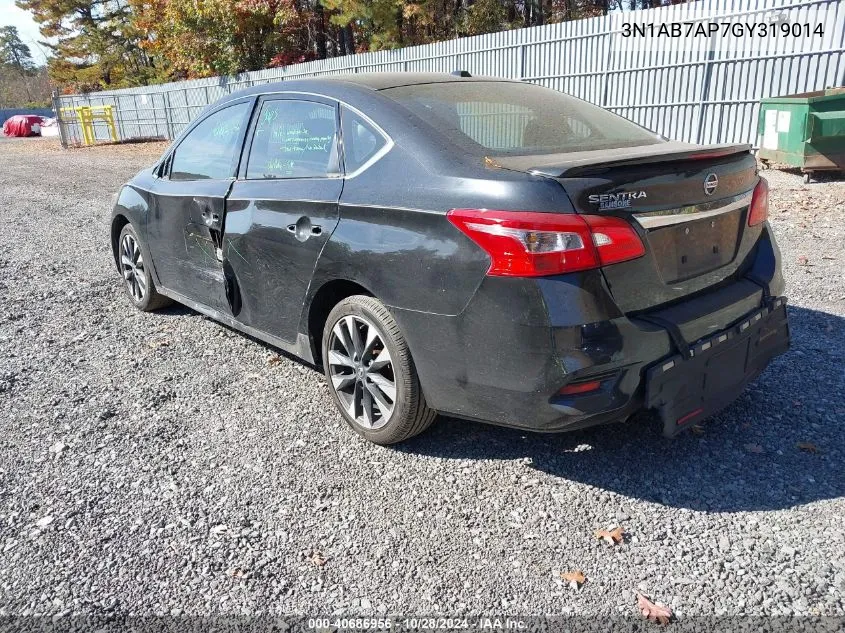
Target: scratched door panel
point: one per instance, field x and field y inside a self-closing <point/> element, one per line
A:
<point x="282" y="210"/>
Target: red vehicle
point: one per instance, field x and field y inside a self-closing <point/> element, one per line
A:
<point x="22" y="125"/>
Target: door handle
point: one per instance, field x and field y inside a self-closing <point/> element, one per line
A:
<point x="210" y="219"/>
<point x="303" y="229"/>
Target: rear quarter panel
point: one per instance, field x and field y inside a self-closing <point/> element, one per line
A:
<point x="394" y="238"/>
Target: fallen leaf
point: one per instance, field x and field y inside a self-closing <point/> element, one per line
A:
<point x="754" y="448"/>
<point x="161" y="343"/>
<point x="803" y="261"/>
<point x="612" y="537"/>
<point x="317" y="558"/>
<point x="238" y="572"/>
<point x="807" y="447"/>
<point x="274" y="360"/>
<point x="651" y="611"/>
<point x="697" y="429"/>
<point x="575" y="578"/>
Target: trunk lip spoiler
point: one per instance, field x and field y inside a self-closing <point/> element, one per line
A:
<point x="572" y="164"/>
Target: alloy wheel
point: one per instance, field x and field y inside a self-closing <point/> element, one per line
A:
<point x="132" y="267"/>
<point x="361" y="372"/>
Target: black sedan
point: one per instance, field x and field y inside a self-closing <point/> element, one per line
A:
<point x="482" y="248"/>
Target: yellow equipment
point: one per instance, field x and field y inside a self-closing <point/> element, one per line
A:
<point x="87" y="115"/>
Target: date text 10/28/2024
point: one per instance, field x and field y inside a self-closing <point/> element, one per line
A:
<point x="505" y="623"/>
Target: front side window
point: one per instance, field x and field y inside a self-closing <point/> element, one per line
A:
<point x="360" y="141"/>
<point x="208" y="151"/>
<point x="489" y="117"/>
<point x="293" y="139"/>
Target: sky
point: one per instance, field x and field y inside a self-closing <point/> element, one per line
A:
<point x="27" y="28"/>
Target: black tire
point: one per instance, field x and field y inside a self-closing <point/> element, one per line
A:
<point x="370" y="376"/>
<point x="134" y="268"/>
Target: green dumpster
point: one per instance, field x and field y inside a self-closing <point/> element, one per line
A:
<point x="806" y="131"/>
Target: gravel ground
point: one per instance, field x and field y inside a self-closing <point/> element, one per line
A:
<point x="163" y="464"/>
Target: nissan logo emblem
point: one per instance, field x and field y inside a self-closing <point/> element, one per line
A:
<point x="710" y="184"/>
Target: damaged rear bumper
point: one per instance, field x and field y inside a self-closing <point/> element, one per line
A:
<point x="687" y="388"/>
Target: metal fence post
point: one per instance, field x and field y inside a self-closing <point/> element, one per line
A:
<point x="167" y="116"/>
<point x="57" y="108"/>
<point x="521" y="62"/>
<point x="137" y="114"/>
<point x="119" y="118"/>
<point x="705" y="91"/>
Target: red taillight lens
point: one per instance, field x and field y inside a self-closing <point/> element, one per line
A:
<point x="530" y="244"/>
<point x="581" y="387"/>
<point x="614" y="239"/>
<point x="759" y="210"/>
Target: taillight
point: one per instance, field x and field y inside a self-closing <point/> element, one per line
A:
<point x="615" y="239"/>
<point x="759" y="210"/>
<point x="531" y="244"/>
<point x="573" y="389"/>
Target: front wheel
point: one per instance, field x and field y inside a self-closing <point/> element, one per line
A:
<point x="370" y="372"/>
<point x="137" y="278"/>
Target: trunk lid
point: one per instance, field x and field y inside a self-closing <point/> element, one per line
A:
<point x="688" y="203"/>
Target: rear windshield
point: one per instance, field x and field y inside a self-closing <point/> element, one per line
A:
<point x="511" y="118"/>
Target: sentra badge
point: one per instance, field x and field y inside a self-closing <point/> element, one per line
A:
<point x="621" y="200"/>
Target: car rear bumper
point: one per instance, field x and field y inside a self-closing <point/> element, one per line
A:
<point x="701" y="381"/>
<point x="505" y="358"/>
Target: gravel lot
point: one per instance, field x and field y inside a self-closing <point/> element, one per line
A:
<point x="163" y="464"/>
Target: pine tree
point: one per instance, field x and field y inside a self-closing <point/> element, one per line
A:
<point x="95" y="45"/>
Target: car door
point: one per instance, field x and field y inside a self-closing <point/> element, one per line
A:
<point x="185" y="225"/>
<point x="282" y="210"/>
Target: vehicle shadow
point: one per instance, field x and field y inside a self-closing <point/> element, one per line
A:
<point x="175" y="309"/>
<point x="758" y="454"/>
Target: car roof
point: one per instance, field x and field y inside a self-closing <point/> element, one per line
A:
<point x="336" y="85"/>
<point x="382" y="81"/>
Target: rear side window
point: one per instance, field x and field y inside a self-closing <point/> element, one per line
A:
<point x="513" y="118"/>
<point x="208" y="151"/>
<point x="360" y="141"/>
<point x="294" y="139"/>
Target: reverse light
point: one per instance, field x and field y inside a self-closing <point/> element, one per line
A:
<point x="759" y="210"/>
<point x="532" y="244"/>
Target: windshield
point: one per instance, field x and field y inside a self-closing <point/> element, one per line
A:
<point x="512" y="118"/>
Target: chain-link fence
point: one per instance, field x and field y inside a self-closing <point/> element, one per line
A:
<point x="702" y="89"/>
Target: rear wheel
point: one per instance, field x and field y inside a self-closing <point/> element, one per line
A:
<point x="371" y="374"/>
<point x="137" y="279"/>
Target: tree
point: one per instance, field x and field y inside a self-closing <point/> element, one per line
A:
<point x="485" y="16"/>
<point x="114" y="43"/>
<point x="16" y="60"/>
<point x="29" y="91"/>
<point x="96" y="45"/>
<point x="200" y="38"/>
<point x="13" y="52"/>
